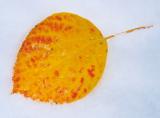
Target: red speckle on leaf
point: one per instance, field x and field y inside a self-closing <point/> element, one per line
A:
<point x="26" y="46"/>
<point x="17" y="71"/>
<point x="42" y="39"/>
<point x="91" y="71"/>
<point x="61" y="90"/>
<point x="68" y="28"/>
<point x="16" y="79"/>
<point x="55" y="26"/>
<point x="74" y="94"/>
<point x="82" y="80"/>
<point x="25" y="93"/>
<point x="58" y="18"/>
<point x="48" y="24"/>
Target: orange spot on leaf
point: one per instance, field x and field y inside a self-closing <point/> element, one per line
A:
<point x="73" y="79"/>
<point x="85" y="90"/>
<point x="92" y="30"/>
<point x="56" y="73"/>
<point x="33" y="60"/>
